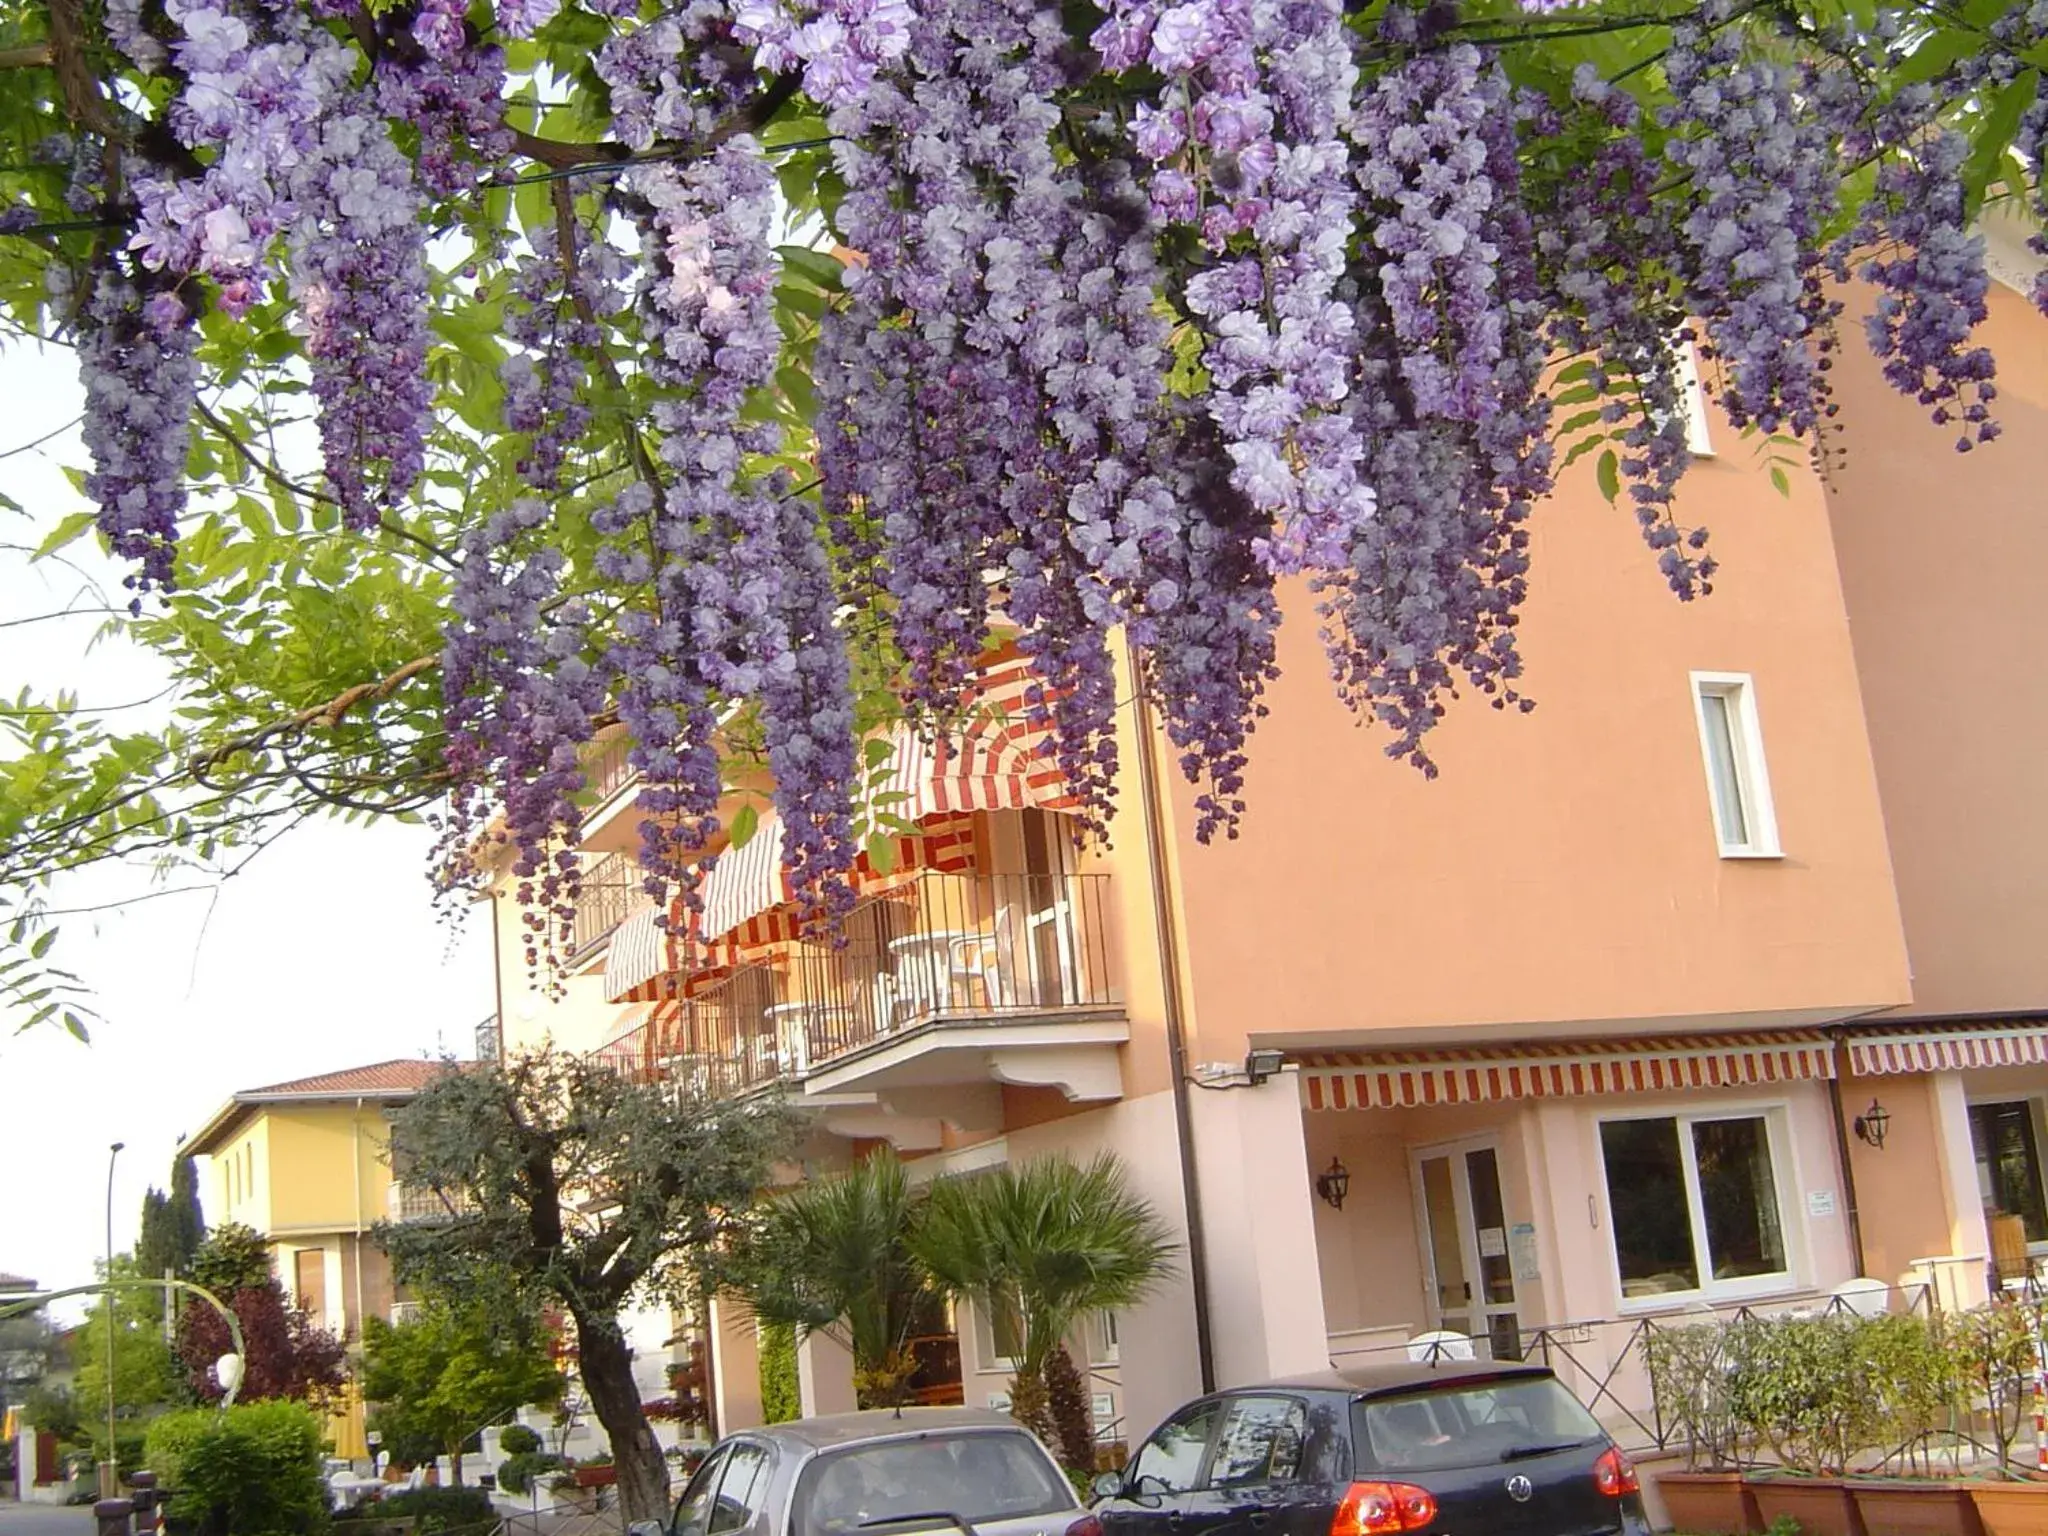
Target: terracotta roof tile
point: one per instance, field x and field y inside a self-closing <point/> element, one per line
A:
<point x="384" y="1077"/>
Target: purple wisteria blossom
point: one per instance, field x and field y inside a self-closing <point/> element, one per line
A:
<point x="135" y="356"/>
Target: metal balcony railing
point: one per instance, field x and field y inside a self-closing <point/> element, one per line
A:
<point x="613" y="889"/>
<point x="607" y="773"/>
<point x="938" y="947"/>
<point x="409" y="1202"/>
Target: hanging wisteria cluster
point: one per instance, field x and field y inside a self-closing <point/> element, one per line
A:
<point x="1135" y="330"/>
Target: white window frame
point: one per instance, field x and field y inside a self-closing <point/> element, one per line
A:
<point x="1692" y="399"/>
<point x="1752" y="774"/>
<point x="2037" y="1106"/>
<point x="987" y="1361"/>
<point x="1784" y="1183"/>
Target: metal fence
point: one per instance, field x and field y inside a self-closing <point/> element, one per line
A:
<point x="936" y="947"/>
<point x="613" y="888"/>
<point x="1605" y="1361"/>
<point x="608" y="772"/>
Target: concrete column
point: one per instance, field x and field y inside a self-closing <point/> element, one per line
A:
<point x="1969" y="1234"/>
<point x="824" y="1376"/>
<point x="112" y="1516"/>
<point x="1265" y="1283"/>
<point x="735" y="1368"/>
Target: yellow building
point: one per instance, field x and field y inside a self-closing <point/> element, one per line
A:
<point x="307" y="1165"/>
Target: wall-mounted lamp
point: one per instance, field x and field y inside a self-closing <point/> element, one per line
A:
<point x="1870" y="1125"/>
<point x="1334" y="1183"/>
<point x="1260" y="1065"/>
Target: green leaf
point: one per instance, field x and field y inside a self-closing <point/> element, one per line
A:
<point x="1608" y="472"/>
<point x="881" y="851"/>
<point x="817" y="266"/>
<point x="64" y="533"/>
<point x="1781" y="480"/>
<point x="745" y="822"/>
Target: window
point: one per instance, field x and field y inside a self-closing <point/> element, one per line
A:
<point x="1694" y="1203"/>
<point x="1260" y="1442"/>
<point x="1102" y="1341"/>
<point x="693" y="1509"/>
<point x="1171" y="1461"/>
<point x="979" y="1475"/>
<point x="1692" y="400"/>
<point x="309" y="1281"/>
<point x="1731" y="743"/>
<point x="2009" y="1163"/>
<point x="742" y="1492"/>
<point x="996" y="1336"/>
<point x="1472" y="1426"/>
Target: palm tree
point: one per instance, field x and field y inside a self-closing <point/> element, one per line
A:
<point x="835" y="1254"/>
<point x="1042" y="1246"/>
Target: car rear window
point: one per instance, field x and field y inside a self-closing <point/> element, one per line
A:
<point x="985" y="1475"/>
<point x="1473" y="1423"/>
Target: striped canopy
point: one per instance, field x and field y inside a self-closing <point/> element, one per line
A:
<point x="1399" y="1080"/>
<point x="1954" y="1048"/>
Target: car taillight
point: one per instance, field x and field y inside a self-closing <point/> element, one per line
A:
<point x="1087" y="1525"/>
<point x="1372" y="1509"/>
<point x="1614" y="1474"/>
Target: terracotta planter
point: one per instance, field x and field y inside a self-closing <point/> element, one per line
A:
<point x="1708" y="1503"/>
<point x="1906" y="1506"/>
<point x="2012" y="1509"/>
<point x="1823" y="1506"/>
<point x="596" y="1477"/>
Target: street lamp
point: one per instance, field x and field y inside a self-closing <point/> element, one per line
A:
<point x="109" y="1481"/>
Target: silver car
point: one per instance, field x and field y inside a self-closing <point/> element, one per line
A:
<point x="884" y="1472"/>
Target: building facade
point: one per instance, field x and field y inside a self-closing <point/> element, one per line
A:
<point x="1606" y="1022"/>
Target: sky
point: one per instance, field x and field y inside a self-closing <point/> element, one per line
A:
<point x="326" y="952"/>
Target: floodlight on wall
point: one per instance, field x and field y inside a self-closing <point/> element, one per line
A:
<point x="1260" y="1065"/>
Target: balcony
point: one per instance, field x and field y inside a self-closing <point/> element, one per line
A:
<point x="410" y="1202"/>
<point x="613" y="889"/>
<point x="946" y="987"/>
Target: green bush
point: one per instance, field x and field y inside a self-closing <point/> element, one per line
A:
<point x="518" y="1440"/>
<point x="252" y="1471"/>
<point x="438" y="1509"/>
<point x="517" y="1473"/>
<point x="780" y="1401"/>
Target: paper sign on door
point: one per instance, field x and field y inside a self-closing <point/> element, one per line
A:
<point x="1493" y="1242"/>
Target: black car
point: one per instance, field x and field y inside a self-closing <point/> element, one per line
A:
<point x="1460" y="1449"/>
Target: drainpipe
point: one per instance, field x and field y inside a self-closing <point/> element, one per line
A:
<point x="1842" y="1152"/>
<point x="498" y="976"/>
<point x="355" y="1128"/>
<point x="1176" y="1037"/>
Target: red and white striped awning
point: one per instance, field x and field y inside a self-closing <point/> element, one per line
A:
<point x="1952" y="1048"/>
<point x="1401" y="1080"/>
<point x="647" y="963"/>
<point x="636" y="958"/>
<point x="997" y="760"/>
<point x="748" y="901"/>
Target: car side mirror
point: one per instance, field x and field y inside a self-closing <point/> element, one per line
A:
<point x="1107" y="1485"/>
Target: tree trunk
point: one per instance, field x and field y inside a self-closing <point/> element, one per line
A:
<point x="607" y="1367"/>
<point x="455" y="1463"/>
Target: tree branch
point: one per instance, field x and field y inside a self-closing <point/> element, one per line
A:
<point x="35" y="56"/>
<point x="327" y="715"/>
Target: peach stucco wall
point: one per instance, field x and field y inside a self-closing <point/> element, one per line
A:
<point x="1941" y="555"/>
<point x="1563" y="870"/>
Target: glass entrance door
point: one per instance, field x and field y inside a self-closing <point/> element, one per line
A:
<point x="1467" y="1268"/>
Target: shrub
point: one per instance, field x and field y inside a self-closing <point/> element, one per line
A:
<point x="439" y="1509"/>
<point x="518" y="1440"/>
<point x="780" y="1401"/>
<point x="252" y="1471"/>
<point x="518" y="1472"/>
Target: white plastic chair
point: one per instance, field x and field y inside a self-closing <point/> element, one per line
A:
<point x="1429" y="1348"/>
<point x="1864" y="1296"/>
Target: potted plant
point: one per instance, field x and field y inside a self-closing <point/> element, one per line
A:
<point x="1795" y="1389"/>
<point x="1689" y="1374"/>
<point x="600" y="1472"/>
<point x="1997" y="1351"/>
<point x="1910" y="1381"/>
